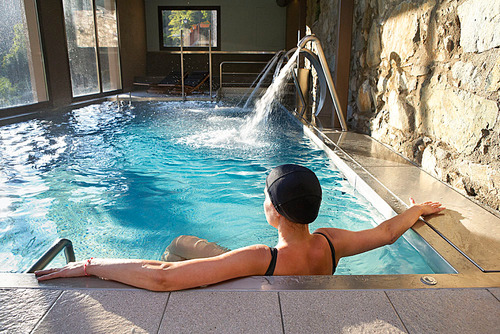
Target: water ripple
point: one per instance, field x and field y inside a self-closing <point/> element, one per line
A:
<point x="124" y="182"/>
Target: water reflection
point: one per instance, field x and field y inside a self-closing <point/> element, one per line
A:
<point x="123" y="183"/>
<point x="25" y="149"/>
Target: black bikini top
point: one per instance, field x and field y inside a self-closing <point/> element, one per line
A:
<point x="274" y="257"/>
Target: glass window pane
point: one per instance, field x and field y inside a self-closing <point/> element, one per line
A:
<point x="22" y="76"/>
<point x="107" y="32"/>
<point x="195" y="26"/>
<point x="80" y="36"/>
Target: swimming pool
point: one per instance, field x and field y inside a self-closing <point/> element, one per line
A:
<point x="123" y="181"/>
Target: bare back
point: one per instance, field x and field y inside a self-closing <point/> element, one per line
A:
<point x="312" y="258"/>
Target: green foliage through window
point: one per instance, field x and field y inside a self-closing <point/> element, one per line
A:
<point x="194" y="23"/>
<point x="15" y="82"/>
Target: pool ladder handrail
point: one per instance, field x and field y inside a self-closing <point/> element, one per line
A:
<point x="326" y="70"/>
<point x="52" y="252"/>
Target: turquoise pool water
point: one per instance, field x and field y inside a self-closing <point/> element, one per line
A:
<point x="125" y="181"/>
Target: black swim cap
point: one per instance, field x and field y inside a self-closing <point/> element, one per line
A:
<point x="295" y="193"/>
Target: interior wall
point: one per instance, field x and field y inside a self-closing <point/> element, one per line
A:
<point x="132" y="29"/>
<point x="257" y="25"/>
<point x="295" y="22"/>
<point x="425" y="79"/>
<point x="51" y="16"/>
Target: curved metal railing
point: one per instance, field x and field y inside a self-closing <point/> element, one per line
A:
<point x="328" y="76"/>
<point x="52" y="252"/>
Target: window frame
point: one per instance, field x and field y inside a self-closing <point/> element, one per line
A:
<point x="188" y="48"/>
<point x="101" y="93"/>
<point x="36" y="61"/>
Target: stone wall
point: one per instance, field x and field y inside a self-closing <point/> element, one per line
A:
<point x="425" y="79"/>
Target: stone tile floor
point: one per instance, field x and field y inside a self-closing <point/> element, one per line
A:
<point x="205" y="311"/>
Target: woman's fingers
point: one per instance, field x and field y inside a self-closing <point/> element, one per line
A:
<point x="45" y="271"/>
<point x="72" y="269"/>
<point x="429" y="207"/>
<point x="429" y="203"/>
<point x="48" y="276"/>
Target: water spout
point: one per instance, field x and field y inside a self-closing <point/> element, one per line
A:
<point x="261" y="77"/>
<point x="273" y="93"/>
<point x="265" y="104"/>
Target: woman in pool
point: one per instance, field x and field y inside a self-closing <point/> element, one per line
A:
<point x="293" y="197"/>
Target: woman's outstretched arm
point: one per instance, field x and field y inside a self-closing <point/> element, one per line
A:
<point x="170" y="276"/>
<point x="349" y="243"/>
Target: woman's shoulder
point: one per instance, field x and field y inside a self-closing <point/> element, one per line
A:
<point x="253" y="250"/>
<point x="245" y="261"/>
<point x="328" y="231"/>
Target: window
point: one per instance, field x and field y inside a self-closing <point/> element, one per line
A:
<point x="93" y="53"/>
<point x="196" y="25"/>
<point x="22" y="75"/>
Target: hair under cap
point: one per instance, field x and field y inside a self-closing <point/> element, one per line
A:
<point x="295" y="192"/>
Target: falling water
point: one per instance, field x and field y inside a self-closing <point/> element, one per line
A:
<point x="262" y="76"/>
<point x="273" y="94"/>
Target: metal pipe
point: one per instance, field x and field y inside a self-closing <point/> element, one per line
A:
<point x="52" y="252"/>
<point x="97" y="52"/>
<point x="328" y="76"/>
<point x="234" y="62"/>
<point x="182" y="64"/>
<point x="261" y="77"/>
<point x="210" y="60"/>
<point x="299" y="92"/>
<point x="298" y="58"/>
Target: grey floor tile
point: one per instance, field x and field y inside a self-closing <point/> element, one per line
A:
<point x="105" y="311"/>
<point x="338" y="312"/>
<point x="21" y="309"/>
<point x="447" y="311"/>
<point x="222" y="312"/>
<point x="495" y="292"/>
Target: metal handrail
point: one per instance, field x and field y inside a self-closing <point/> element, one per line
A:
<point x="235" y="62"/>
<point x="210" y="60"/>
<point x="52" y="252"/>
<point x="261" y="77"/>
<point x="182" y="65"/>
<point x="328" y="75"/>
<point x="299" y="93"/>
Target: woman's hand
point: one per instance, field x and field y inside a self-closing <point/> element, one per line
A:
<point x="72" y="269"/>
<point x="428" y="208"/>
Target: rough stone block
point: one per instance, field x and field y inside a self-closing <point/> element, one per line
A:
<point x="429" y="162"/>
<point x="404" y="24"/>
<point x="374" y="48"/>
<point x="479" y="22"/>
<point x="105" y="311"/>
<point x="480" y="173"/>
<point x="399" y="112"/>
<point x="466" y="73"/>
<point x="447" y="311"/>
<point x="21" y="309"/>
<point x="457" y="117"/>
<point x="364" y="101"/>
<point x="493" y="78"/>
<point x="399" y="30"/>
